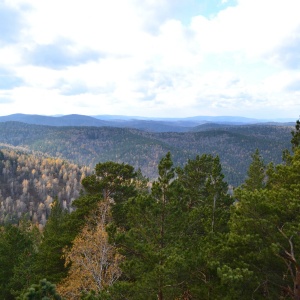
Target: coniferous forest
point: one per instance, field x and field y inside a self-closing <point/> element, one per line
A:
<point x="69" y="232"/>
<point x="84" y="145"/>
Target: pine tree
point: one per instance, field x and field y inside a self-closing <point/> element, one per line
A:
<point x="207" y="207"/>
<point x="296" y="135"/>
<point x="169" y="244"/>
<point x="264" y="242"/>
<point x="49" y="261"/>
<point x="114" y="182"/>
<point x="256" y="173"/>
<point x="148" y="241"/>
<point x="16" y="247"/>
<point x="45" y="290"/>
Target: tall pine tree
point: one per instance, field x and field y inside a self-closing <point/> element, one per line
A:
<point x="49" y="262"/>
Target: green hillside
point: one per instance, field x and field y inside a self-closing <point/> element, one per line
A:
<point x="90" y="145"/>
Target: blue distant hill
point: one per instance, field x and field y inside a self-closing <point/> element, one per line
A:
<point x="141" y="123"/>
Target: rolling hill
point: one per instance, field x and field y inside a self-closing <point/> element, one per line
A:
<point x="141" y="123"/>
<point x="90" y="145"/>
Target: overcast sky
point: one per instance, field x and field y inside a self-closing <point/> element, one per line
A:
<point x="155" y="58"/>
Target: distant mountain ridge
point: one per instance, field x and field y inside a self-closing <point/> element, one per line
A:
<point x="141" y="123"/>
<point x="68" y="120"/>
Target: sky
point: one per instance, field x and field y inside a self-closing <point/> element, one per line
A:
<point x="151" y="58"/>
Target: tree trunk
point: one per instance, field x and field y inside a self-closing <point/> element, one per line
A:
<point x="160" y="295"/>
<point x="297" y="284"/>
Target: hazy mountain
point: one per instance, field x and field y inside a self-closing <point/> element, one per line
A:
<point x="68" y="120"/>
<point x="146" y="124"/>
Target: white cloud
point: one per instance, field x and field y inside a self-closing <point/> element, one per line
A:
<point x="254" y="27"/>
<point x="153" y="57"/>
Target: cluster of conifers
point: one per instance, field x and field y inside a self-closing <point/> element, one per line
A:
<point x="180" y="237"/>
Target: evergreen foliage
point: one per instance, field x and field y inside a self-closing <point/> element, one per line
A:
<point x="18" y="246"/>
<point x="256" y="174"/>
<point x="49" y="260"/>
<point x="172" y="232"/>
<point x="264" y="242"/>
<point x="89" y="145"/>
<point x="45" y="290"/>
<point x="296" y="135"/>
<point x="181" y="236"/>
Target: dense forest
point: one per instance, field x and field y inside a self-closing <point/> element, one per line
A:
<point x="141" y="149"/>
<point x="30" y="182"/>
<point x="181" y="236"/>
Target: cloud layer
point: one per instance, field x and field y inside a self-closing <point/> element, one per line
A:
<point x="151" y="57"/>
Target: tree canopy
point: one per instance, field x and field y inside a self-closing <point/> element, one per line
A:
<point x="180" y="236"/>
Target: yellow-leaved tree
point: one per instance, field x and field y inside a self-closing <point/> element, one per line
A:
<point x="94" y="262"/>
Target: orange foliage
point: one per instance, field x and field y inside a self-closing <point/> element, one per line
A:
<point x="94" y="262"/>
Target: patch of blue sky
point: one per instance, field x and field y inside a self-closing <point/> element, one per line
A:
<point x="205" y="8"/>
<point x="10" y="24"/>
<point x="210" y="8"/>
<point x="59" y="56"/>
<point x="8" y="80"/>
<point x="5" y="100"/>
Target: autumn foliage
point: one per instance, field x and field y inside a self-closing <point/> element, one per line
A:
<point x="95" y="263"/>
<point x="181" y="236"/>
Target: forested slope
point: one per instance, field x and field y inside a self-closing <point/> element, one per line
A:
<point x="182" y="236"/>
<point x="90" y="145"/>
<point x="30" y="182"/>
<point x="234" y="145"/>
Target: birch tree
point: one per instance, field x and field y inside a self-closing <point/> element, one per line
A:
<point x="94" y="261"/>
